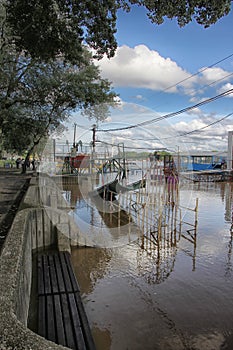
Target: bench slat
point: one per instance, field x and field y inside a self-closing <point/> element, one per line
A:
<point x="47" y="284"/>
<point x="65" y="273"/>
<point x="50" y="319"/>
<point x="73" y="279"/>
<point x="61" y="315"/>
<point x="53" y="275"/>
<point x="76" y="323"/>
<point x="40" y="276"/>
<point x="85" y="324"/>
<point x="66" y="321"/>
<point x="60" y="280"/>
<point x="59" y="321"/>
<point x="42" y="326"/>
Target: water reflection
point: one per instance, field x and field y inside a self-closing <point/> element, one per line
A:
<point x="228" y="194"/>
<point x="228" y="269"/>
<point x="158" y="230"/>
<point x="90" y="265"/>
<point x="172" y="291"/>
<point x="101" y="223"/>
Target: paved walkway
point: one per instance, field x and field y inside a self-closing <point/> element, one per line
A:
<point x="12" y="183"/>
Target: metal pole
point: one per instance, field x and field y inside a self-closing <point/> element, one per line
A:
<point x="54" y="150"/>
<point x="74" y="134"/>
<point x="93" y="137"/>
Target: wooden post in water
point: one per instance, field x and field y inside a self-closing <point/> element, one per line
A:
<point x="119" y="210"/>
<point x="196" y="212"/>
<point x="130" y="202"/>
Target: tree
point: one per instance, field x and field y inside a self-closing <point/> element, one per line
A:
<point x="47" y="71"/>
<point x="46" y="28"/>
<point x="203" y="11"/>
<point x="37" y="97"/>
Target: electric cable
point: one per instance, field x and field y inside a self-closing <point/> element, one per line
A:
<point x="172" y="114"/>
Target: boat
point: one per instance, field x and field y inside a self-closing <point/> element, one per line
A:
<point x="105" y="191"/>
<point x="119" y="188"/>
<point x="110" y="190"/>
<point x="202" y="161"/>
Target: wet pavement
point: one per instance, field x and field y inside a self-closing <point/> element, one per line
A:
<point x="12" y="187"/>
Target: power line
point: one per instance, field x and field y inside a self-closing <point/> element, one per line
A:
<point x="171" y="86"/>
<point x="180" y="135"/>
<point x="196" y="130"/>
<point x="200" y="71"/>
<point x="193" y="75"/>
<point x="169" y="115"/>
<point x="166" y="138"/>
<point x="139" y="139"/>
<point x="213" y="82"/>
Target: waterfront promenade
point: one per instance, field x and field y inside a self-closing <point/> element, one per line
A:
<point x="19" y="206"/>
<point x="12" y="187"/>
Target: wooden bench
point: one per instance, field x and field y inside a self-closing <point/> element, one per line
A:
<point x="61" y="315"/>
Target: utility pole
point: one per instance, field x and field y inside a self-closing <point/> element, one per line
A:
<point x="93" y="137"/>
<point x="54" y="150"/>
<point x="93" y="147"/>
<point x="74" y="134"/>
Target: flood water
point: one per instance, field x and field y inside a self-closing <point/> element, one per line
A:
<point x="181" y="297"/>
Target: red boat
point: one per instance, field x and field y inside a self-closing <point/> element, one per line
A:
<point x="80" y="161"/>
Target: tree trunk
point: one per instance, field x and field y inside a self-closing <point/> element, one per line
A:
<point x="26" y="162"/>
<point x="27" y="159"/>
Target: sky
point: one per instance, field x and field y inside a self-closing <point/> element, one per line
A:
<point x="159" y="71"/>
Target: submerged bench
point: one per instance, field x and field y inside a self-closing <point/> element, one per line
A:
<point x="61" y="315"/>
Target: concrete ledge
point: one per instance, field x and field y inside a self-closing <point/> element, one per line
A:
<point x="45" y="194"/>
<point x="15" y="287"/>
<point x="44" y="223"/>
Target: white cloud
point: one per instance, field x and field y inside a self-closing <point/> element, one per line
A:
<point x="211" y="75"/>
<point x="195" y="111"/>
<point x="139" y="97"/>
<point x="213" y="137"/>
<point x="141" y="67"/>
<point x="167" y="132"/>
<point x="225" y="88"/>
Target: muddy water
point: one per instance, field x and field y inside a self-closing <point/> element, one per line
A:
<point x="178" y="298"/>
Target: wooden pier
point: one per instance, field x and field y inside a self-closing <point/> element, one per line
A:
<point x="208" y="176"/>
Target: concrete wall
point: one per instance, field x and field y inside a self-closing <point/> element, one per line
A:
<point x="15" y="277"/>
<point x="45" y="192"/>
<point x="31" y="229"/>
<point x="43" y="223"/>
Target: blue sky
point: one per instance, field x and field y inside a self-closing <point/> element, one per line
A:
<point x="148" y="65"/>
<point x="192" y="48"/>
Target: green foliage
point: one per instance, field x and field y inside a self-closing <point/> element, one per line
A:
<point x="136" y="155"/>
<point x="46" y="71"/>
<point x="203" y="11"/>
<point x="7" y="163"/>
<point x="47" y="28"/>
<point x="37" y="97"/>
